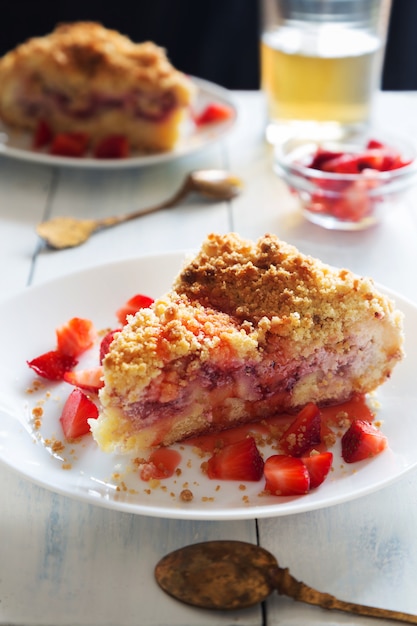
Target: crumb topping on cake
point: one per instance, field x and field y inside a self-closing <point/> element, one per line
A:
<point x="88" y="56"/>
<point x="270" y="283"/>
<point x="172" y="329"/>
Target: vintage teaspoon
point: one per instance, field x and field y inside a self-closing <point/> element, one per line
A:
<point x="232" y="575"/>
<point x="68" y="232"/>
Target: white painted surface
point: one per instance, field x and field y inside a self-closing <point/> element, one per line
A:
<point x="63" y="562"/>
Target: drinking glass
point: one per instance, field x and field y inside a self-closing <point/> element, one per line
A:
<point x="321" y="64"/>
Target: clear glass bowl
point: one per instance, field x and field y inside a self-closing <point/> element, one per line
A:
<point x="345" y="201"/>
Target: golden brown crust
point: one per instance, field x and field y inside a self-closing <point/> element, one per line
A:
<point x="172" y="329"/>
<point x="272" y="279"/>
<point x="82" y="63"/>
<point x="85" y="56"/>
<point x="250" y="329"/>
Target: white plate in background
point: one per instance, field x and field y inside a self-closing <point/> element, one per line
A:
<point x="17" y="145"/>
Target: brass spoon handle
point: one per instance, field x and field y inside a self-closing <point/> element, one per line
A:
<point x="107" y="222"/>
<point x="286" y="584"/>
<point x="68" y="232"/>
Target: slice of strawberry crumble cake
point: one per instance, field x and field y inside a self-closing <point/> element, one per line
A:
<point x="85" y="78"/>
<point x="249" y="330"/>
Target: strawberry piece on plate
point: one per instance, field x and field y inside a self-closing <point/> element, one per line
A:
<point x="162" y="463"/>
<point x="76" y="336"/>
<point x="286" y="476"/>
<point x="53" y="365"/>
<point x="88" y="379"/>
<point x="318" y="465"/>
<point x="214" y="112"/>
<point x="132" y="306"/>
<point x="106" y="342"/>
<point x="240" y="460"/>
<point x="304" y="433"/>
<point x="43" y="135"/>
<point x="112" y="147"/>
<point x="78" y="409"/>
<point x="69" y="144"/>
<point x="374" y="143"/>
<point x="362" y="441"/>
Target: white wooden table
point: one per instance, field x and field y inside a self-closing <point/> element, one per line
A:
<point x="64" y="562"/>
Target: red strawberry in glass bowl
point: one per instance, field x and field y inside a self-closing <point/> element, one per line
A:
<point x="348" y="185"/>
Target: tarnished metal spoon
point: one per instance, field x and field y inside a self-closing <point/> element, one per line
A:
<point x="68" y="232"/>
<point x="233" y="575"/>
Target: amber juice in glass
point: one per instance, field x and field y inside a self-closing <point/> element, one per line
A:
<point x="320" y="74"/>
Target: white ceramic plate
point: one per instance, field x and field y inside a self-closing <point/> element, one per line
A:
<point x="29" y="321"/>
<point x="18" y="145"/>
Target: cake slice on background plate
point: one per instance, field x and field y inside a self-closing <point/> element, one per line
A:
<point x="85" y="78"/>
<point x="248" y="330"/>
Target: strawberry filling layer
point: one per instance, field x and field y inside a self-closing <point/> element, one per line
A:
<point x="139" y="104"/>
<point x="262" y="389"/>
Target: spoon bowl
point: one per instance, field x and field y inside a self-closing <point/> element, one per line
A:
<point x="224" y="575"/>
<point x="67" y="232"/>
<point x="232" y="575"/>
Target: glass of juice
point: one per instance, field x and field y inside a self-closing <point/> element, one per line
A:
<point x="321" y="64"/>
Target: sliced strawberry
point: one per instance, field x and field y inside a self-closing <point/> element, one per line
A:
<point x="318" y="465"/>
<point x="286" y="476"/>
<point x="162" y="463"/>
<point x="112" y="147"/>
<point x="139" y="301"/>
<point x="69" y="144"/>
<point x="374" y="143"/>
<point x="374" y="159"/>
<point x="75" y="336"/>
<point x="77" y="410"/>
<point x="237" y="461"/>
<point x="377" y="159"/>
<point x="105" y="343"/>
<point x="52" y="365"/>
<point x="392" y="159"/>
<point x="375" y="156"/>
<point x="322" y="156"/>
<point x="214" y="112"/>
<point x="88" y="379"/>
<point x="344" y="164"/>
<point x="362" y="441"/>
<point x="355" y="203"/>
<point x="43" y="135"/>
<point x="304" y="433"/>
